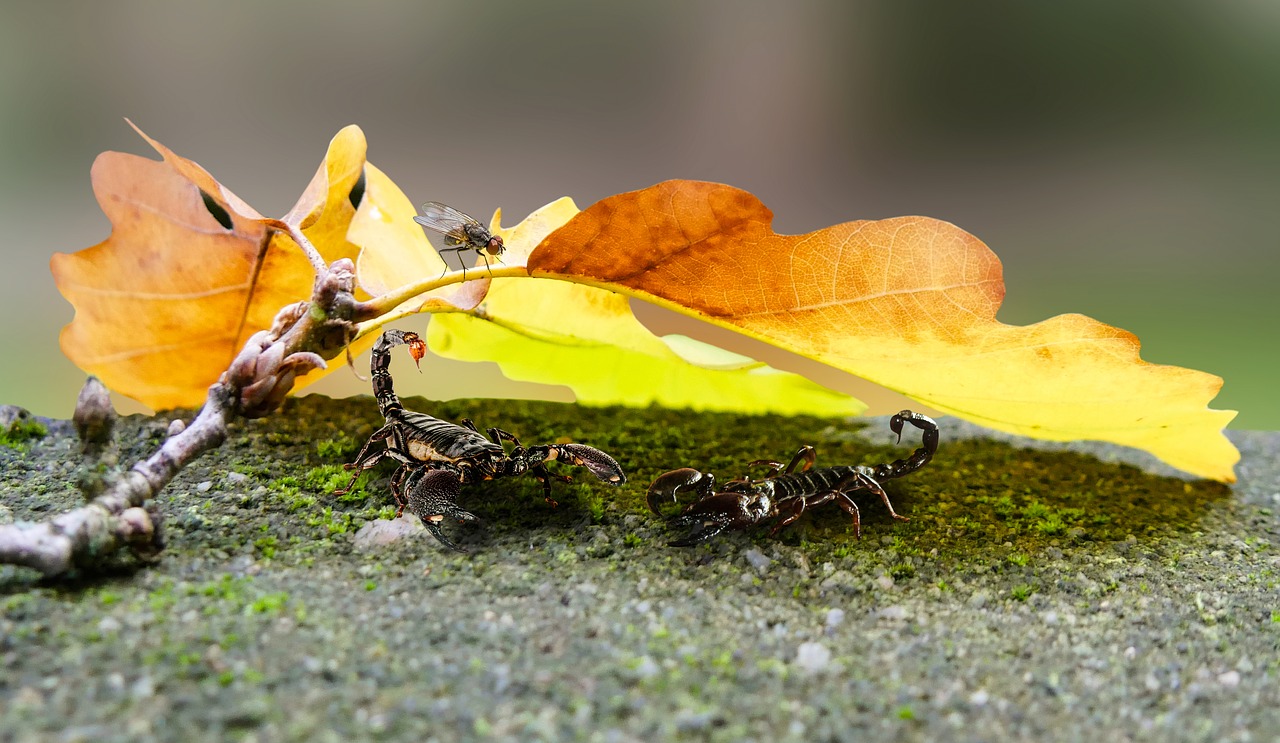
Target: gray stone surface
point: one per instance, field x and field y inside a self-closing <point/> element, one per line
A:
<point x="980" y="619"/>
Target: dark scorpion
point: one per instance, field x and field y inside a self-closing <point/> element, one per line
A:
<point x="438" y="457"/>
<point x="745" y="502"/>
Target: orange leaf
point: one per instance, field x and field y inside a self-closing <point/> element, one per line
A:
<point x="190" y="271"/>
<point x="909" y="303"/>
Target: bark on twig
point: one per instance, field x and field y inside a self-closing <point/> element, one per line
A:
<point x="260" y="377"/>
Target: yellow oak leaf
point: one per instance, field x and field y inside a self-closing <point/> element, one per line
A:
<point x="909" y="303"/>
<point x="557" y="332"/>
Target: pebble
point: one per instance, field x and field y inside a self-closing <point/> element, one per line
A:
<point x="835" y="618"/>
<point x="236" y="477"/>
<point x="1230" y="679"/>
<point x="812" y="657"/>
<point x="758" y="560"/>
<point x="204" y="486"/>
<point x="646" y="668"/>
<point x="691" y="722"/>
<point x="381" y="532"/>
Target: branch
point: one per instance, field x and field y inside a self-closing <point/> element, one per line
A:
<point x="302" y="337"/>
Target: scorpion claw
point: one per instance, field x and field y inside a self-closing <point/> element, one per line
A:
<point x="597" y="462"/>
<point x="713" y="514"/>
<point x="432" y="497"/>
<point x="434" y="528"/>
<point x="665" y="488"/>
<point x="704" y="532"/>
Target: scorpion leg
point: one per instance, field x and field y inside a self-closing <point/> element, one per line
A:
<point x="543" y="475"/>
<point x="796" y="509"/>
<point x="397" y="492"/>
<point x="365" y="460"/>
<point x="432" y="497"/>
<point x="846" y="502"/>
<point x="860" y="480"/>
<point x="805" y="454"/>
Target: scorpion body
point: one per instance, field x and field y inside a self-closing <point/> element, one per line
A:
<point x="438" y="457"/>
<point x="786" y="493"/>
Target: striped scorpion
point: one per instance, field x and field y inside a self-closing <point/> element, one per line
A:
<point x="438" y="457"/>
<point x="745" y="502"/>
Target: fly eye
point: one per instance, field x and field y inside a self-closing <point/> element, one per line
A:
<point x="495" y="245"/>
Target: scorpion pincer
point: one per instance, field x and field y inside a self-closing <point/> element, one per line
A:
<point x="744" y="502"/>
<point x="438" y="457"/>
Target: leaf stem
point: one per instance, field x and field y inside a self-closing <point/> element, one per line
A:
<point x="378" y="306"/>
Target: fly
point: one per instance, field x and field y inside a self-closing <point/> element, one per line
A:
<point x="461" y="232"/>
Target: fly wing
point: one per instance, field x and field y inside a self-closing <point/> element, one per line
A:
<point x="447" y="221"/>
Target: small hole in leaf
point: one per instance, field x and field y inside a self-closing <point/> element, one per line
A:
<point x="357" y="191"/>
<point x="216" y="210"/>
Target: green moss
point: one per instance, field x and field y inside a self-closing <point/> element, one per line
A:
<point x="341" y="447"/>
<point x="22" y="431"/>
<point x="272" y="603"/>
<point x="1022" y="592"/>
<point x="266" y="546"/>
<point x="333" y="522"/>
<point x="327" y="478"/>
<point x="289" y="491"/>
<point x="902" y="571"/>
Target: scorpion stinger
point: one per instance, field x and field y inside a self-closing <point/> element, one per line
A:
<point x="438" y="457"/>
<point x="786" y="493"/>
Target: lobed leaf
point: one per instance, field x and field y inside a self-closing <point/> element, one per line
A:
<point x="190" y="271"/>
<point x="909" y="303"/>
<point x="556" y="332"/>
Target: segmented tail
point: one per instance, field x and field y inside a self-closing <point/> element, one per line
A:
<point x="380" y="363"/>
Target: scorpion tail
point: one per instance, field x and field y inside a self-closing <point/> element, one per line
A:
<point x="380" y="363"/>
<point x="920" y="457"/>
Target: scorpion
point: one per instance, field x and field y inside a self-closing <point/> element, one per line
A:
<point x="786" y="492"/>
<point x="438" y="457"/>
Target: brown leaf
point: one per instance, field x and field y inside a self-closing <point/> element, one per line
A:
<point x="190" y="271"/>
<point x="909" y="303"/>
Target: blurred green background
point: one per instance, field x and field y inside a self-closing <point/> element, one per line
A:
<point x="1121" y="159"/>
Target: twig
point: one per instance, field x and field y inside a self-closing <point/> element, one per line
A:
<point x="302" y="337"/>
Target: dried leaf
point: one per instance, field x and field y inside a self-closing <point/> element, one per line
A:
<point x="556" y="332"/>
<point x="909" y="303"/>
<point x="190" y="271"/>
